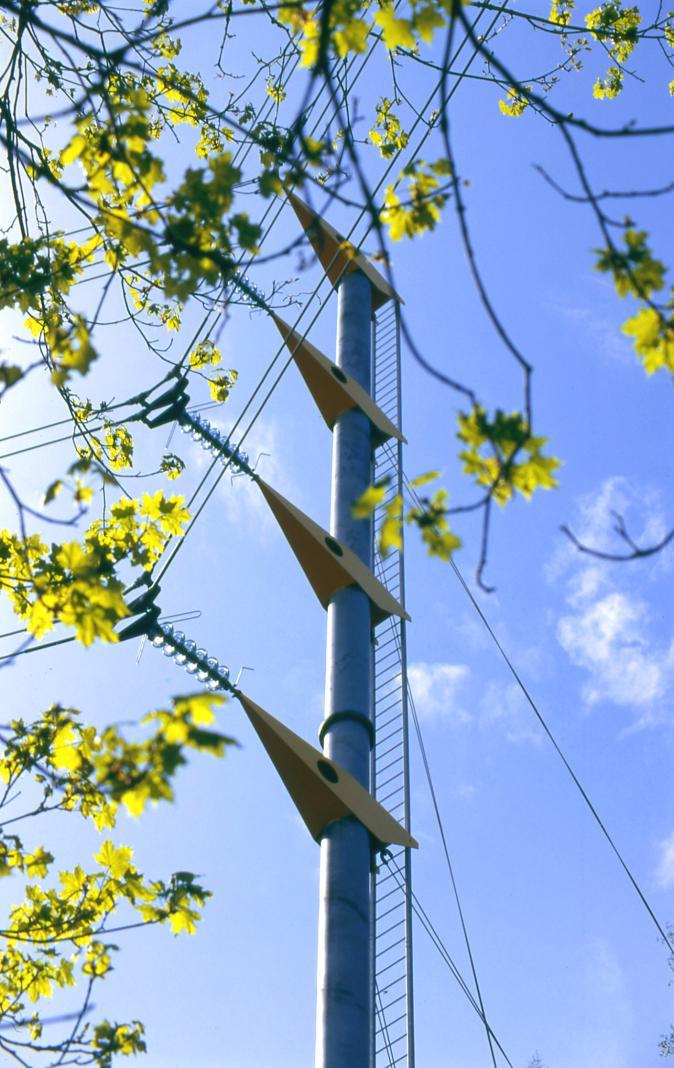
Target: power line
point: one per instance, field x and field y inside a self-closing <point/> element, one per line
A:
<point x="319" y="285"/>
<point x="275" y="199"/>
<point x="450" y="866"/>
<point x="445" y="847"/>
<point x="35" y="648"/>
<point x="266" y="399"/>
<point x="383" y="1026"/>
<point x="539" y="716"/>
<point x="81" y="430"/>
<point x="435" y="937"/>
<point x="564" y="760"/>
<point x="51" y="426"/>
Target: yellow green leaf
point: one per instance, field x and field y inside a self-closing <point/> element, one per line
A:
<point x="116" y="859"/>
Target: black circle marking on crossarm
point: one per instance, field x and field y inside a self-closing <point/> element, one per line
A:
<point x="327" y="771"/>
<point x="339" y="374"/>
<point x="334" y="546"/>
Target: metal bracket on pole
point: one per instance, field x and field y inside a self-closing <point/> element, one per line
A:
<point x="143" y="612"/>
<point x="334" y="391"/>
<point x="322" y="791"/>
<point x="165" y="408"/>
<point x="337" y="255"/>
<point x="329" y="565"/>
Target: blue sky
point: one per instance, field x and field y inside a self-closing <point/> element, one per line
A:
<point x="569" y="962"/>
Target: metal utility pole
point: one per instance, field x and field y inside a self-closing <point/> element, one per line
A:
<point x="354" y="795"/>
<point x="345" y="982"/>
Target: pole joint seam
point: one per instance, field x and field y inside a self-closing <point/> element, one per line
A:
<point x="340" y="717"/>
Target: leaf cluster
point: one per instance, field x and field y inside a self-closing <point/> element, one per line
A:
<point x="60" y="931"/>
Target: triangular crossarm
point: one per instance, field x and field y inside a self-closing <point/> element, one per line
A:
<point x="322" y="791"/>
<point x="337" y="255"/>
<point x="334" y="391"/>
<point x="329" y="565"/>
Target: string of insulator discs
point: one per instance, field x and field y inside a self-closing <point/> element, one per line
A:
<point x="184" y="652"/>
<point x="214" y="441"/>
<point x="196" y="661"/>
<point x="249" y="289"/>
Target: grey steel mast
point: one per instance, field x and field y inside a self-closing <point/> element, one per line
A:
<point x="345" y="1002"/>
<point x="333" y="790"/>
<point x="364" y="1010"/>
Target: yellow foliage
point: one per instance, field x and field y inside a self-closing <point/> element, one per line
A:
<point x="221" y="385"/>
<point x="560" y="12"/>
<point x="119" y="447"/>
<point x="422" y="209"/>
<point x="514" y="461"/>
<point x="515" y="103"/>
<point x="653" y="337"/>
<point x="387" y="134"/>
<point x="365" y="505"/>
<point x="116" y="860"/>
<point x="397" y="32"/>
<point x="352" y="37"/>
<point x="276" y="91"/>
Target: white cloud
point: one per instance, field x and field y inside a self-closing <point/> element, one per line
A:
<point x="606" y="340"/>
<point x="464" y="791"/>
<point x="594" y="525"/>
<point x="441" y="692"/>
<point x="641" y="509"/>
<point x="505" y="705"/>
<point x="609" y="638"/>
<point x="665" y="871"/>
<point x="435" y="688"/>
<point x="607" y="627"/>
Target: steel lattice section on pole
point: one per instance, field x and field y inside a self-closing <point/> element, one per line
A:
<point x="393" y="1035"/>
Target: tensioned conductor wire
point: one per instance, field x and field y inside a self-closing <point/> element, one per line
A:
<point x="667" y="940"/>
<point x="418" y="119"/>
<point x="445" y="847"/>
<point x="267" y="372"/>
<point x="244" y="147"/>
<point x="433" y="934"/>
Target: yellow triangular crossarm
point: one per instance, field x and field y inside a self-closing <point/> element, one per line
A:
<point x="338" y="256"/>
<point x="329" y="565"/>
<point x="322" y="790"/>
<point x="334" y="391"/>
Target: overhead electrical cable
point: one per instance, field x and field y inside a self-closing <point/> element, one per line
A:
<point x="246" y="147"/>
<point x="81" y="430"/>
<point x="383" y="1026"/>
<point x="450" y="866"/>
<point x="445" y="847"/>
<point x="256" y="415"/>
<point x="36" y="648"/>
<point x="435" y="937"/>
<point x="281" y="204"/>
<point x="666" y="938"/>
<point x="51" y="426"/>
<point x="172" y="553"/>
<point x="276" y="198"/>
